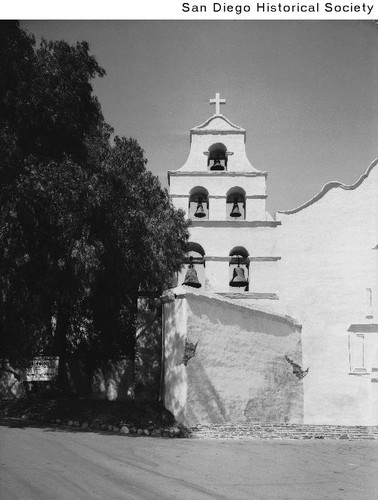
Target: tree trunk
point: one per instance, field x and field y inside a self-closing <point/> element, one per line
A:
<point x="132" y="340"/>
<point x="62" y="326"/>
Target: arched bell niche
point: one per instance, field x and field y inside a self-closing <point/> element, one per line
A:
<point x="235" y="204"/>
<point x="239" y="270"/>
<point x="217" y="157"/>
<point x="195" y="257"/>
<point x="199" y="203"/>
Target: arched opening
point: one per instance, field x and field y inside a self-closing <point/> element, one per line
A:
<point x="217" y="157"/>
<point x="235" y="204"/>
<point x="196" y="250"/>
<point x="195" y="261"/>
<point x="199" y="204"/>
<point x="239" y="269"/>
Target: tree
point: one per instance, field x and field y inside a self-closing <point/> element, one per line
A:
<point x="47" y="109"/>
<point x="144" y="240"/>
<point x="47" y="260"/>
<point x="49" y="124"/>
<point x="84" y="227"/>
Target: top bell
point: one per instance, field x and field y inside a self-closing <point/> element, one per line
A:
<point x="235" y="212"/>
<point x="217" y="165"/>
<point x="200" y="212"/>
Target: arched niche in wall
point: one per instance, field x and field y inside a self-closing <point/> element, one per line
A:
<point x="217" y="157"/>
<point x="239" y="269"/>
<point x="235" y="204"/>
<point x="196" y="255"/>
<point x="199" y="203"/>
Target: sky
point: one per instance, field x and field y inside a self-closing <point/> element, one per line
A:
<point x="305" y="91"/>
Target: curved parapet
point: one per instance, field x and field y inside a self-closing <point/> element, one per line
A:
<point x="327" y="187"/>
<point x="218" y="130"/>
<point x="217" y="124"/>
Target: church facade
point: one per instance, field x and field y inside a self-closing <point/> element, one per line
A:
<point x="273" y="318"/>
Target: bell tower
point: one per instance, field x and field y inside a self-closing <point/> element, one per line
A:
<point x="224" y="196"/>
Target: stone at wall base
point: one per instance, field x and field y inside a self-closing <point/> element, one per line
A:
<point x="284" y="431"/>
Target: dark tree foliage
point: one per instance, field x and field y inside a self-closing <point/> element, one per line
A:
<point x="46" y="104"/>
<point x="143" y="237"/>
<point x="84" y="227"/>
<point x="47" y="260"/>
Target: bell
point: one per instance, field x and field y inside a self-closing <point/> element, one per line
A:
<point x="238" y="279"/>
<point x="235" y="212"/>
<point x="191" y="278"/>
<point x="217" y="165"/>
<point x="200" y="212"/>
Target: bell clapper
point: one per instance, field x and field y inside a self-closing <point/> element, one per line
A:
<point x="235" y="212"/>
<point x="200" y="212"/>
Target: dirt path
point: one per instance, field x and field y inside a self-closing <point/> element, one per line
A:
<point x="53" y="464"/>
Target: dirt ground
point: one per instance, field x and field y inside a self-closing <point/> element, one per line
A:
<point x="48" y="463"/>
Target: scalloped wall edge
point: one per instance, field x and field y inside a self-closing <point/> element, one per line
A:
<point x="327" y="187"/>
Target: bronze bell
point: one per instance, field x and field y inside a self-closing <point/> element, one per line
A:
<point x="217" y="165"/>
<point x="191" y="278"/>
<point x="238" y="278"/>
<point x="200" y="212"/>
<point x="235" y="212"/>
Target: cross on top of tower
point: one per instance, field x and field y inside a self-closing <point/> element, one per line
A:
<point x="217" y="101"/>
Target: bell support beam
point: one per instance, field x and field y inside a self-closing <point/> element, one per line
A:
<point x="235" y="223"/>
<point x="177" y="173"/>
<point x="206" y="258"/>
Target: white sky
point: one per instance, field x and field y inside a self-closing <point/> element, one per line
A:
<point x="305" y="91"/>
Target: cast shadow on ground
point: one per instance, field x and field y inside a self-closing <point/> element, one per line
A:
<point x="13" y="424"/>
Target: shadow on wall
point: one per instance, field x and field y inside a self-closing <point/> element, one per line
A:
<point x="281" y="397"/>
<point x="175" y="379"/>
<point x="249" y="320"/>
<point x="206" y="403"/>
<point x="240" y="373"/>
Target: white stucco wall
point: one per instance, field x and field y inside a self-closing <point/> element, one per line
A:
<point x="319" y="262"/>
<point x="239" y="372"/>
<point x="327" y="264"/>
<point x="174" y="334"/>
<point x="218" y="209"/>
<point x="235" y="144"/>
<point x="217" y="242"/>
<point x="218" y="185"/>
<point x="217" y="129"/>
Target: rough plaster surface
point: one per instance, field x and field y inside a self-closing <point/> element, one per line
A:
<point x="218" y="129"/>
<point x="328" y="262"/>
<point x="259" y="241"/>
<point x="326" y="257"/>
<point x="175" y="381"/>
<point x="218" y="242"/>
<point x="239" y="373"/>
